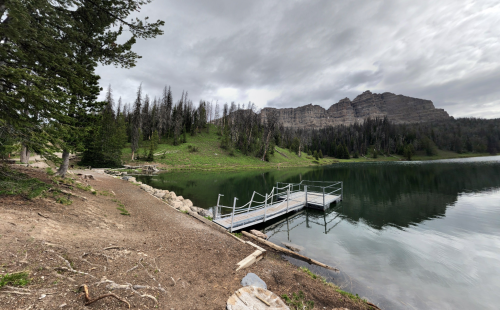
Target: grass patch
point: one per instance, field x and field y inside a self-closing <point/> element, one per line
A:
<point x="16" y="183"/>
<point x="208" y="217"/>
<point x="15" y="279"/>
<point x="353" y="297"/>
<point x="121" y="207"/>
<point x="63" y="200"/>
<point x="86" y="188"/>
<point x="49" y="171"/>
<point x="185" y="212"/>
<point x="239" y="235"/>
<point x="309" y="272"/>
<point x="298" y="301"/>
<point x="103" y="193"/>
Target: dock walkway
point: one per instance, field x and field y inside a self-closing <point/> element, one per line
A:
<point x="289" y="198"/>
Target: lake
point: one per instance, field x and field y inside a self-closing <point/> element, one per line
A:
<point x="408" y="235"/>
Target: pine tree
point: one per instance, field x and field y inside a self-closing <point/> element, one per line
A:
<point x="136" y="122"/>
<point x="48" y="84"/>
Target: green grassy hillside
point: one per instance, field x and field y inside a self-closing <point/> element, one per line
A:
<point x="209" y="156"/>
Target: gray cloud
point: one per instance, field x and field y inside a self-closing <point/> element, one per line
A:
<point x="287" y="54"/>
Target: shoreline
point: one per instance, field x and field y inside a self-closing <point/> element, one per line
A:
<point x="329" y="162"/>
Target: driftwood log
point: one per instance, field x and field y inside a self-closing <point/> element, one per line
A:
<point x="288" y="252"/>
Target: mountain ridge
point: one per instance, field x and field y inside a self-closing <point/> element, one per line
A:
<point x="397" y="108"/>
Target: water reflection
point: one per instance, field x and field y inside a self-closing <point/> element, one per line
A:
<point x="406" y="236"/>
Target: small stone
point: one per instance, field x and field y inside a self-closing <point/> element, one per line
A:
<point x="63" y="305"/>
<point x="253" y="279"/>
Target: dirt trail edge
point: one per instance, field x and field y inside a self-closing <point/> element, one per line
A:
<point x="87" y="252"/>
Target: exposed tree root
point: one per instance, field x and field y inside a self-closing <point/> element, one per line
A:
<point x="115" y="286"/>
<point x="90" y="301"/>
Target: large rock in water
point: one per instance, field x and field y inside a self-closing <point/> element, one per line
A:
<point x="398" y="109"/>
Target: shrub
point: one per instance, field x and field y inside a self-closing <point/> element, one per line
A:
<point x="192" y="148"/>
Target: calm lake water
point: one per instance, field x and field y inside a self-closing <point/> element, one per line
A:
<point x="408" y="235"/>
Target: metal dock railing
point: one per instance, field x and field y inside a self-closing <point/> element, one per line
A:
<point x="282" y="200"/>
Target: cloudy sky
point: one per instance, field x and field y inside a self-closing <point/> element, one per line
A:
<point x="291" y="53"/>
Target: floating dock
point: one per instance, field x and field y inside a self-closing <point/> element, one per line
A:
<point x="288" y="198"/>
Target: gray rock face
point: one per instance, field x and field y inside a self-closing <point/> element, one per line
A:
<point x="253" y="279"/>
<point x="398" y="109"/>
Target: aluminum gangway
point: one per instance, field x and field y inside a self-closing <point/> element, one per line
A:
<point x="290" y="197"/>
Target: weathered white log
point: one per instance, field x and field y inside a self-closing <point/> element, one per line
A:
<point x="287" y="251"/>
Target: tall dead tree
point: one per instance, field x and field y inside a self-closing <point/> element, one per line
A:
<point x="270" y="126"/>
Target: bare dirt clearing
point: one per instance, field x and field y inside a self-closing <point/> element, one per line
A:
<point x="155" y="258"/>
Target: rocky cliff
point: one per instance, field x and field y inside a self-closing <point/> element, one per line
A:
<point x="397" y="108"/>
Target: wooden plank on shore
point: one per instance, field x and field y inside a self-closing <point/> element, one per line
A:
<point x="288" y="252"/>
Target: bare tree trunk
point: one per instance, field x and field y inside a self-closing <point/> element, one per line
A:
<point x="25" y="155"/>
<point x="63" y="169"/>
<point x="133" y="155"/>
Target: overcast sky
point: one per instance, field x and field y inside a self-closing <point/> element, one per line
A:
<point x="292" y="53"/>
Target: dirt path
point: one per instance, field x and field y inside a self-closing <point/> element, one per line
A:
<point x="173" y="260"/>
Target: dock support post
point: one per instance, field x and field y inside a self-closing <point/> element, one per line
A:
<point x="287" y="198"/>
<point x="324" y="198"/>
<point x="251" y="200"/>
<point x="232" y="215"/>
<point x="217" y="213"/>
<point x="265" y="208"/>
<point x="272" y="195"/>
<point x="305" y="190"/>
<point x="342" y="190"/>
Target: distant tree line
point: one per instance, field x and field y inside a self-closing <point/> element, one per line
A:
<point x="148" y="122"/>
<point x="380" y="136"/>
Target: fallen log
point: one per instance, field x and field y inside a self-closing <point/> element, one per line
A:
<point x="288" y="252"/>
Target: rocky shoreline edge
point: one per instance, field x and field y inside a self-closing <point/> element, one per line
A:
<point x="176" y="202"/>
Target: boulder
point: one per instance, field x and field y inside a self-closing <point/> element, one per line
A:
<point x="159" y="193"/>
<point x="187" y="203"/>
<point x="184" y="209"/>
<point x="196" y="209"/>
<point x="251" y="279"/>
<point x="205" y="213"/>
<point x="175" y="203"/>
<point x="147" y="188"/>
<point x="180" y="198"/>
<point x="172" y="195"/>
<point x="131" y="179"/>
